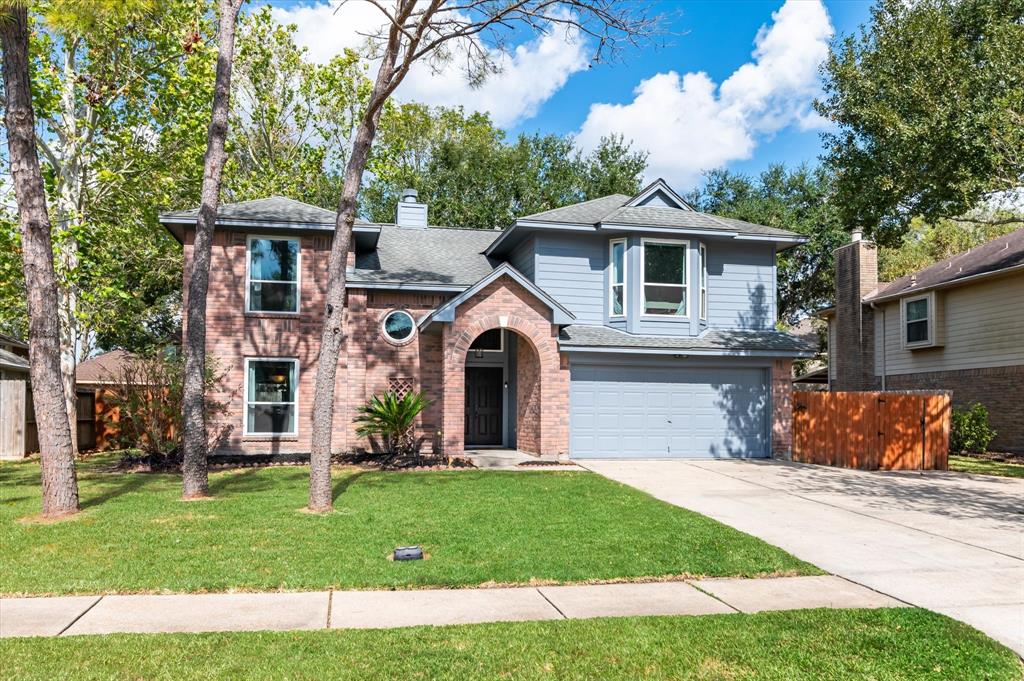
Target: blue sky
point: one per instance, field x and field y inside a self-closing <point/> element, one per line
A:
<point x="733" y="88"/>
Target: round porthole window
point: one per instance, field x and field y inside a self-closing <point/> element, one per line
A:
<point x="398" y="326"/>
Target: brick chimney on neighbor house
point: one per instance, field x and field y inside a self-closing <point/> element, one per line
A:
<point x="854" y="354"/>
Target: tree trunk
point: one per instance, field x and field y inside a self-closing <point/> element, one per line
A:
<point x="60" y="486"/>
<point x="195" y="478"/>
<point x="321" y="498"/>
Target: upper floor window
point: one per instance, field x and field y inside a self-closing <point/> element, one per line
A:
<point x="917" y="317"/>
<point x="617" y="278"/>
<point x="663" y="277"/>
<point x="273" y="275"/>
<point x="703" y="282"/>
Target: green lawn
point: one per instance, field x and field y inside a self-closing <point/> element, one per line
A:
<point x="973" y="464"/>
<point x="807" y="644"/>
<point x="477" y="527"/>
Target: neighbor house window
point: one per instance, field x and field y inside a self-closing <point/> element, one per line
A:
<point x="917" y="317"/>
<point x="663" y="277"/>
<point x="703" y="282"/>
<point x="273" y="274"/>
<point x="617" y="278"/>
<point x="270" y="403"/>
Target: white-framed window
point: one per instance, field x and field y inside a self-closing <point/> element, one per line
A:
<point x="272" y="274"/>
<point x="398" y="327"/>
<point x="617" y="278"/>
<point x="271" y="396"/>
<point x="918" y="318"/>
<point x="663" y="277"/>
<point x="703" y="282"/>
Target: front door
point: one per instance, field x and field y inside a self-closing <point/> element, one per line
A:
<point x="483" y="406"/>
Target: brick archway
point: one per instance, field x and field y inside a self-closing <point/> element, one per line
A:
<point x="542" y="407"/>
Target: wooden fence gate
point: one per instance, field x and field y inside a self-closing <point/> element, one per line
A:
<point x="872" y="430"/>
<point x="12" y="419"/>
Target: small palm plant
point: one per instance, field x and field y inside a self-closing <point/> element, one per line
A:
<point x="392" y="416"/>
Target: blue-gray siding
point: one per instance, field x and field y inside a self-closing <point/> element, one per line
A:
<point x="652" y="411"/>
<point x="523" y="258"/>
<point x="741" y="286"/>
<point x="571" y="269"/>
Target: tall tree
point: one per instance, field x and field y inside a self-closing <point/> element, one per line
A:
<point x="411" y="32"/>
<point x="929" y="104"/>
<point x="60" y="485"/>
<point x="195" y="478"/>
<point x="799" y="200"/>
<point x="472" y="176"/>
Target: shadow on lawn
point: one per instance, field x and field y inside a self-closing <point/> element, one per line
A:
<point x="125" y="483"/>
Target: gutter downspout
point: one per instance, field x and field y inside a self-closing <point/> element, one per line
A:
<point x="882" y="310"/>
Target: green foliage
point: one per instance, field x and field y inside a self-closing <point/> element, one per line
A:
<point x="927" y="243"/>
<point x="392" y="416"/>
<point x="970" y="431"/>
<point x="472" y="176"/>
<point x="800" y="200"/>
<point x="929" y="104"/>
<point x="291" y="118"/>
<point x="147" y="395"/>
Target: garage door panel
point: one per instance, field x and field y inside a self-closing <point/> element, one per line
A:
<point x="634" y="411"/>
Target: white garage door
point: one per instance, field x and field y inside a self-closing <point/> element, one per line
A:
<point x="667" y="412"/>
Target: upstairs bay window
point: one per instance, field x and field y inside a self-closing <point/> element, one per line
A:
<point x="617" y="278"/>
<point x="273" y="275"/>
<point x="663" y="277"/>
<point x="270" y="403"/>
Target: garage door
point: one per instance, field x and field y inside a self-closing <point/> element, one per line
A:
<point x="635" y="412"/>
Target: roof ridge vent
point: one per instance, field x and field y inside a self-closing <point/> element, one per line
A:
<point x="913" y="280"/>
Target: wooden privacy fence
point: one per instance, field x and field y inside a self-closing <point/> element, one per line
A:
<point x="872" y="430"/>
<point x="13" y="405"/>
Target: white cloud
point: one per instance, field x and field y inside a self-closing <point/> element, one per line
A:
<point x="530" y="73"/>
<point x="688" y="125"/>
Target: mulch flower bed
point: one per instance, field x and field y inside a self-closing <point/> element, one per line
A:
<point x="171" y="463"/>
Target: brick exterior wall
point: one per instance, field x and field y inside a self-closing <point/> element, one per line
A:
<point x="544" y="428"/>
<point x="433" y="363"/>
<point x="1000" y="389"/>
<point x="854" y="353"/>
<point x="782" y="409"/>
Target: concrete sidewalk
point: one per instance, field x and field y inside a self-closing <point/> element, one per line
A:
<point x="948" y="542"/>
<point x="68" y="616"/>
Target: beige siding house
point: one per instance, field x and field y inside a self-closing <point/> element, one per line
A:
<point x="957" y="325"/>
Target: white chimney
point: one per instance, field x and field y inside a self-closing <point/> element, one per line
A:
<point x="409" y="213"/>
<point x="858" y="235"/>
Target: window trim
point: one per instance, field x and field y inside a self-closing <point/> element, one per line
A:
<point x="929" y="320"/>
<point x="248" y="271"/>
<point x="611" y="280"/>
<point x="703" y="287"/>
<point x="384" y="330"/>
<point x="245" y="397"/>
<point x="643" y="277"/>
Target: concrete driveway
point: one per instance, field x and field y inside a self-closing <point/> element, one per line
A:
<point x="949" y="542"/>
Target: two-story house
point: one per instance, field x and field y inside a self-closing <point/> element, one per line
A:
<point x="957" y="325"/>
<point x="625" y="326"/>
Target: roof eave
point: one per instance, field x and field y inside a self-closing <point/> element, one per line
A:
<point x="707" y="352"/>
<point x="954" y="283"/>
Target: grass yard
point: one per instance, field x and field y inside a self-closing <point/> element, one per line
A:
<point x="979" y="466"/>
<point x="808" y="644"/>
<point x="135" y="535"/>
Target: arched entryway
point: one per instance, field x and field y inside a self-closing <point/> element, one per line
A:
<point x="502" y="392"/>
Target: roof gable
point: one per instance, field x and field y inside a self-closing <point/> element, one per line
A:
<point x="658" y="193"/>
<point x="446" y="313"/>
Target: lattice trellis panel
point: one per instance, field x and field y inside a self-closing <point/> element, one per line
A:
<point x="401" y="385"/>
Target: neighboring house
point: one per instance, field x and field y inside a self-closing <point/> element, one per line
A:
<point x="13" y="359"/>
<point x="957" y="325"/>
<point x="618" y="327"/>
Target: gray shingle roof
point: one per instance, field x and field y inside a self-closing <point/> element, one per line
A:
<point x="613" y="209"/>
<point x="584" y="213"/>
<point x="427" y="256"/>
<point x="578" y="335"/>
<point x="272" y="209"/>
<point x="1002" y="253"/>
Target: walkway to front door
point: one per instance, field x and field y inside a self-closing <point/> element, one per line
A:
<point x="484" y="406"/>
<point x="948" y="542"/>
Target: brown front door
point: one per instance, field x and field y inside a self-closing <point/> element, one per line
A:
<point x="483" y="406"/>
